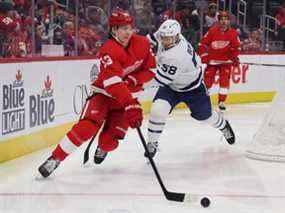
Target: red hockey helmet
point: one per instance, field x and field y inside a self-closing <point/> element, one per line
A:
<point x="120" y="17"/>
<point x="223" y="14"/>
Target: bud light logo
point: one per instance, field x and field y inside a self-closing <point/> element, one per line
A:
<point x="13" y="115"/>
<point x="42" y="106"/>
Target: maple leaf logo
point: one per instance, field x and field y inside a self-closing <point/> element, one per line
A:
<point x="18" y="75"/>
<point x="47" y="91"/>
<point x="48" y="83"/>
<point x="18" y="82"/>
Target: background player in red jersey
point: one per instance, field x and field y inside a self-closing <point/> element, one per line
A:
<point x="126" y="62"/>
<point x="219" y="49"/>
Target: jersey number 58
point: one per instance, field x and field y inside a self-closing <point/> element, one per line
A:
<point x="171" y="70"/>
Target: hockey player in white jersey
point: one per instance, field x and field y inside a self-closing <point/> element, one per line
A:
<point x="180" y="79"/>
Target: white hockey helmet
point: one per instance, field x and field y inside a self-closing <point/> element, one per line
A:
<point x="169" y="32"/>
<point x="169" y="27"/>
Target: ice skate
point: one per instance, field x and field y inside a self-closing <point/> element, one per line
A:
<point x="152" y="149"/>
<point x="48" y="166"/>
<point x="228" y="133"/>
<point x="99" y="156"/>
<point x="222" y="106"/>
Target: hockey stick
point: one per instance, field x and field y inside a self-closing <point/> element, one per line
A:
<point x="217" y="62"/>
<point x="173" y="196"/>
<point x="268" y="65"/>
<point x="86" y="152"/>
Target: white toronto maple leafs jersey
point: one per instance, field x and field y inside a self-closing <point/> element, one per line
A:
<point x="178" y="67"/>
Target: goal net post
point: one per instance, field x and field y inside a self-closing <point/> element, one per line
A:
<point x="269" y="142"/>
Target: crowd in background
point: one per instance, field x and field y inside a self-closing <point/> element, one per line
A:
<point x="55" y="30"/>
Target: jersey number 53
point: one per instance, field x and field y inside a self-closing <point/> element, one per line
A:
<point x="106" y="60"/>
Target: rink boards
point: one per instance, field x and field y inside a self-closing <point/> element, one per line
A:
<point x="40" y="100"/>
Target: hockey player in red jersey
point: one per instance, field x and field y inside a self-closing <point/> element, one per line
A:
<point x="126" y="63"/>
<point x="219" y="49"/>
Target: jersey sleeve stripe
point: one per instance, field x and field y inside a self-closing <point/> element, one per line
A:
<point x="164" y="76"/>
<point x="112" y="80"/>
<point x="160" y="82"/>
<point x="156" y="123"/>
<point x="67" y="146"/>
<point x="154" y="131"/>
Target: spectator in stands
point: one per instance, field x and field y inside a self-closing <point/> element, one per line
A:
<point x="211" y="16"/>
<point x="96" y="16"/>
<point x="69" y="42"/>
<point x="58" y="35"/>
<point x="20" y="45"/>
<point x="22" y="6"/>
<point x="8" y="25"/>
<point x="87" y="40"/>
<point x="189" y="20"/>
<point x="170" y="13"/>
<point x="60" y="17"/>
<point x="19" y="41"/>
<point x="158" y="7"/>
<point x="41" y="38"/>
<point x="144" y="19"/>
<point x="124" y="4"/>
<point x="253" y="43"/>
<point x="95" y="39"/>
<point x="280" y="16"/>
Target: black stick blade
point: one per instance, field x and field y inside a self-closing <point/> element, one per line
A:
<point x="86" y="152"/>
<point x="175" y="196"/>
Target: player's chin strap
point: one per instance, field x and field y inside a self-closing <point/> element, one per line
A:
<point x="118" y="40"/>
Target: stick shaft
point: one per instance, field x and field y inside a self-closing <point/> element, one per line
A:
<point x="174" y="196"/>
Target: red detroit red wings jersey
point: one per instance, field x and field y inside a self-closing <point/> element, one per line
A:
<point x="118" y="62"/>
<point x="220" y="45"/>
<point x="7" y="24"/>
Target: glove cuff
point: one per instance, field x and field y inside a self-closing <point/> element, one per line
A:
<point x="132" y="79"/>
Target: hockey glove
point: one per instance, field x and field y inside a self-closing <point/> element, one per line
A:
<point x="132" y="84"/>
<point x="133" y="113"/>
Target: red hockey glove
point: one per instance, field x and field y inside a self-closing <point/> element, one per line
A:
<point x="235" y="61"/>
<point x="133" y="113"/>
<point x="132" y="84"/>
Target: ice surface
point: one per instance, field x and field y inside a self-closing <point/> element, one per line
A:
<point x="192" y="158"/>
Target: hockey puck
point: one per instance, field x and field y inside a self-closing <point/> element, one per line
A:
<point x="205" y="202"/>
